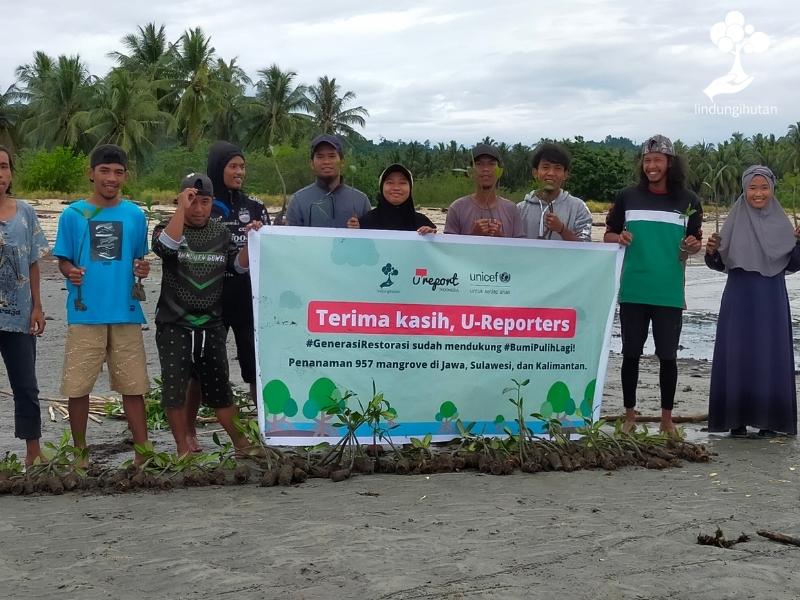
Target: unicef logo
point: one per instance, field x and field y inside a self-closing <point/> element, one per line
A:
<point x="490" y="278"/>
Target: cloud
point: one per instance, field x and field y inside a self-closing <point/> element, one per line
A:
<point x="371" y="24"/>
<point x="463" y="69"/>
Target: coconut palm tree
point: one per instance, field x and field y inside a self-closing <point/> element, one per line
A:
<point x="767" y="151"/>
<point x="726" y="186"/>
<point x="31" y="76"/>
<point x="517" y="167"/>
<point x="793" y="140"/>
<point x="127" y="114"/>
<point x="328" y="108"/>
<point x="278" y="109"/>
<point x="233" y="103"/>
<point x="55" y="97"/>
<point x="192" y="84"/>
<point x="9" y="114"/>
<point x="149" y="52"/>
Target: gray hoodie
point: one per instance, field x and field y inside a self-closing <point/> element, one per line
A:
<point x="572" y="211"/>
<point x="316" y="206"/>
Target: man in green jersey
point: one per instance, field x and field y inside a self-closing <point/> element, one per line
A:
<point x="659" y="221"/>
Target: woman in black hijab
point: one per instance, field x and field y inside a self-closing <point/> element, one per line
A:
<point x="395" y="210"/>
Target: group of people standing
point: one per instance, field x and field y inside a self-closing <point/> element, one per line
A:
<point x="102" y="243"/>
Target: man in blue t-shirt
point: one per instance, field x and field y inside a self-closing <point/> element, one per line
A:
<point x="100" y="245"/>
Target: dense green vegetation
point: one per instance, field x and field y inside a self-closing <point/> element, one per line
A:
<point x="164" y="102"/>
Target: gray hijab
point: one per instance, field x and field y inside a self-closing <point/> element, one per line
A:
<point x="757" y="239"/>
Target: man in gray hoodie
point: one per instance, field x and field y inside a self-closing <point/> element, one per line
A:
<point x="551" y="213"/>
<point x="327" y="202"/>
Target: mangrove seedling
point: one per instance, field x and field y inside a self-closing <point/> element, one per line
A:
<point x="223" y="456"/>
<point x="250" y="430"/>
<point x="376" y="412"/>
<point x="683" y="250"/>
<point x="61" y="458"/>
<point x="524" y="435"/>
<point x="423" y="446"/>
<point x="349" y="420"/>
<point x="10" y="465"/>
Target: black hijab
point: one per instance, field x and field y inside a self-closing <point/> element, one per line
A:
<point x="388" y="216"/>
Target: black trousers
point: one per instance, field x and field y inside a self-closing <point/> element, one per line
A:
<point x="635" y="322"/>
<point x="19" y="355"/>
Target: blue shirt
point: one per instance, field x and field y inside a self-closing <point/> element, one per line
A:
<point x="22" y="243"/>
<point x="105" y="242"/>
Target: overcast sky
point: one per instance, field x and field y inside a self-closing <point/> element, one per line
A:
<point x="516" y="70"/>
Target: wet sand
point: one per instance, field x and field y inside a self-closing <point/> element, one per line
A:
<point x="583" y="535"/>
<point x="626" y="534"/>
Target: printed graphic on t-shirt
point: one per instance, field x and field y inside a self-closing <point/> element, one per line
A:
<point x="106" y="240"/>
<point x="10" y="280"/>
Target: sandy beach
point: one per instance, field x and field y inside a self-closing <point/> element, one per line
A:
<point x="588" y="534"/>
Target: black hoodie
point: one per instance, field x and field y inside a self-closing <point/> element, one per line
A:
<point x="234" y="209"/>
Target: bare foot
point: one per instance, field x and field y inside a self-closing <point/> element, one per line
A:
<point x="80" y="462"/>
<point x="194" y="444"/>
<point x="33" y="452"/>
<point x="30" y="460"/>
<point x="668" y="427"/>
<point x="628" y="426"/>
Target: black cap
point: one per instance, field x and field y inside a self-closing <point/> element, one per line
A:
<point x="200" y="182"/>
<point x="485" y="150"/>
<point x="108" y="154"/>
<point x="326" y="138"/>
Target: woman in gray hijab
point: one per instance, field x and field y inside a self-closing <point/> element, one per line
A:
<point x="752" y="376"/>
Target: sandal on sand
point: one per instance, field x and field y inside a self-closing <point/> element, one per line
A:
<point x="252" y="452"/>
<point x="739" y="432"/>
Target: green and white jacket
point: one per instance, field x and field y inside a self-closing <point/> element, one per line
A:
<point x="652" y="272"/>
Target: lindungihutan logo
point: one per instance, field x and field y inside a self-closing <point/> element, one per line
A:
<point x="735" y="37"/>
<point x="390" y="272"/>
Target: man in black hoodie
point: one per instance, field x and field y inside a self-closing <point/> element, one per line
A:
<point x="233" y="208"/>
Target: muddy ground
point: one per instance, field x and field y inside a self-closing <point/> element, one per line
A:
<point x="626" y="534"/>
